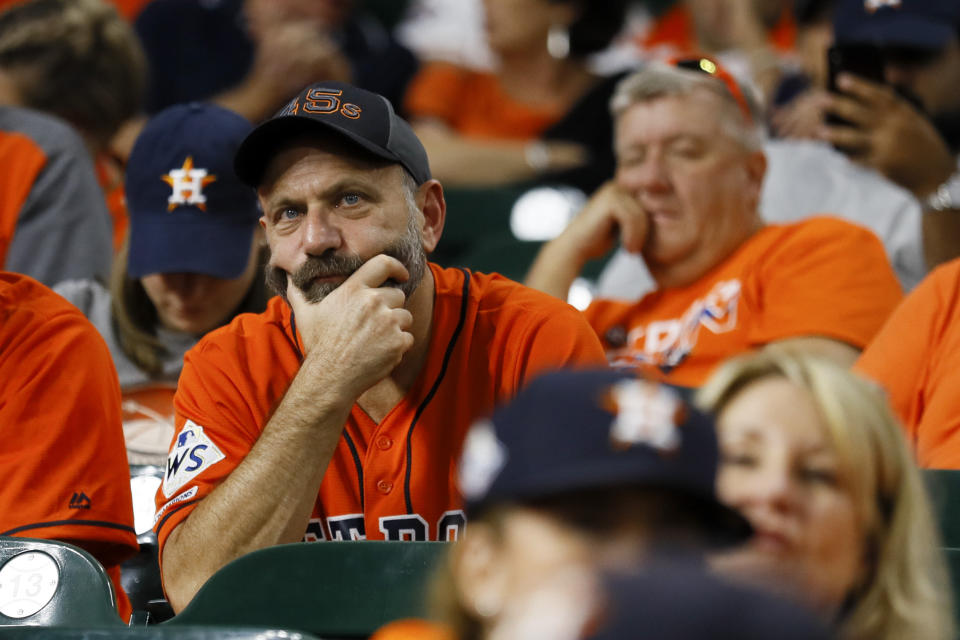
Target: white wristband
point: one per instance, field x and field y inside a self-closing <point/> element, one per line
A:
<point x="947" y="195"/>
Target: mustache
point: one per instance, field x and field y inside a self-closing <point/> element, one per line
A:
<point x="333" y="265"/>
<point x="325" y="267"/>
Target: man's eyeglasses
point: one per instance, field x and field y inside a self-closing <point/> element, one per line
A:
<point x="711" y="67"/>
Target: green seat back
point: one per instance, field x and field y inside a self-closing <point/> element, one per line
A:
<point x="953" y="564"/>
<point x="474" y="216"/>
<point x="346" y="589"/>
<point x="944" y="489"/>
<point x="47" y="582"/>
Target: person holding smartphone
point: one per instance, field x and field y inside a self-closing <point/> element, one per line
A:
<point x="905" y="122"/>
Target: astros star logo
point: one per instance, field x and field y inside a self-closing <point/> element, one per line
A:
<point x="187" y="184"/>
<point x="873" y="5"/>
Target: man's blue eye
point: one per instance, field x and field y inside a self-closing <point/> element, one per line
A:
<point x="289" y="214"/>
<point x="351" y="199"/>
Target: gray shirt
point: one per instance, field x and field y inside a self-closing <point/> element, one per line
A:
<point x="93" y="299"/>
<point x="64" y="229"/>
<point x="148" y="417"/>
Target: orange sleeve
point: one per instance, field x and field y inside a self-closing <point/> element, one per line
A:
<point x="211" y="438"/>
<point x="830" y="279"/>
<point x="22" y="161"/>
<point x="561" y="340"/>
<point x="434" y="92"/>
<point x="413" y="629"/>
<point x="63" y="465"/>
<point x="915" y="359"/>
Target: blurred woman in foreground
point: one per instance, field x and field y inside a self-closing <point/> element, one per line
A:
<point x="812" y="456"/>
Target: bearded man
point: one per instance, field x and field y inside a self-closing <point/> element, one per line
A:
<point x="339" y="412"/>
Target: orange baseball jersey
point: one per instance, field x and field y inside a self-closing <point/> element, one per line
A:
<point x="394" y="480"/>
<point x="820" y="277"/>
<point x="474" y="104"/>
<point x="916" y="358"/>
<point x="63" y="466"/>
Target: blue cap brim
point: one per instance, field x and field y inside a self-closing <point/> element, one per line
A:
<point x="192" y="244"/>
<point x="892" y="29"/>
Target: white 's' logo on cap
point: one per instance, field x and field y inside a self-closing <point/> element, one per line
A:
<point x="646" y="413"/>
<point x="873" y="5"/>
<point x="187" y="184"/>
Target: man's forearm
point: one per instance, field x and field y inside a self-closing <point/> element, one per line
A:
<point x="268" y="498"/>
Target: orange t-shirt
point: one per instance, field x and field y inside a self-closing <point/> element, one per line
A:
<point x="413" y="629"/>
<point x="474" y="104"/>
<point x="22" y="160"/>
<point x="916" y="358"/>
<point x="396" y="479"/>
<point x="674" y="29"/>
<point x="63" y="466"/>
<point x="819" y="277"/>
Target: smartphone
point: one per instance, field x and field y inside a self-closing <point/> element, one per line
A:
<point x="864" y="61"/>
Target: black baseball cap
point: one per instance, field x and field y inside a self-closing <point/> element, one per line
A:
<point x="570" y="431"/>
<point x="362" y="117"/>
<point x="673" y="598"/>
<point x="922" y="24"/>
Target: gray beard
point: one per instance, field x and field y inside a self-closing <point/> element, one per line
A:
<point x="408" y="250"/>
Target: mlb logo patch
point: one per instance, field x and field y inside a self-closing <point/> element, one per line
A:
<point x="192" y="454"/>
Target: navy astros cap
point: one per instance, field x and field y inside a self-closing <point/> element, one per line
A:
<point x="680" y="599"/>
<point x="924" y="24"/>
<point x="365" y="118"/>
<point x="574" y="430"/>
<point x="188" y="211"/>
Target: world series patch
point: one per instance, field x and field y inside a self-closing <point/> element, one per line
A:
<point x="192" y="453"/>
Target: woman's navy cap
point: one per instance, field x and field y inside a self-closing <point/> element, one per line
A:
<point x="923" y="24"/>
<point x="362" y="117"/>
<point x="574" y="430"/>
<point x="188" y="211"/>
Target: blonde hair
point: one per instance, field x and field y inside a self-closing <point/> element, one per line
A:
<point x="906" y="593"/>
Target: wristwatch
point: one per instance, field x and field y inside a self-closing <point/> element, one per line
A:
<point x="947" y="195"/>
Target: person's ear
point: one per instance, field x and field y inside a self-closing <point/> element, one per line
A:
<point x="757" y="168"/>
<point x="430" y="201"/>
<point x="479" y="572"/>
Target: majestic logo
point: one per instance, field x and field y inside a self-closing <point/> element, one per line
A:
<point x="667" y="343"/>
<point x="79" y="501"/>
<point x="193" y="452"/>
<point x="187" y="184"/>
<point x="873" y="5"/>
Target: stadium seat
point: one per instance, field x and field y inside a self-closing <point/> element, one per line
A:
<point x="342" y="590"/>
<point x="473" y="217"/>
<point x="153" y="633"/>
<point x="944" y="488"/>
<point x="47" y="582"/>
